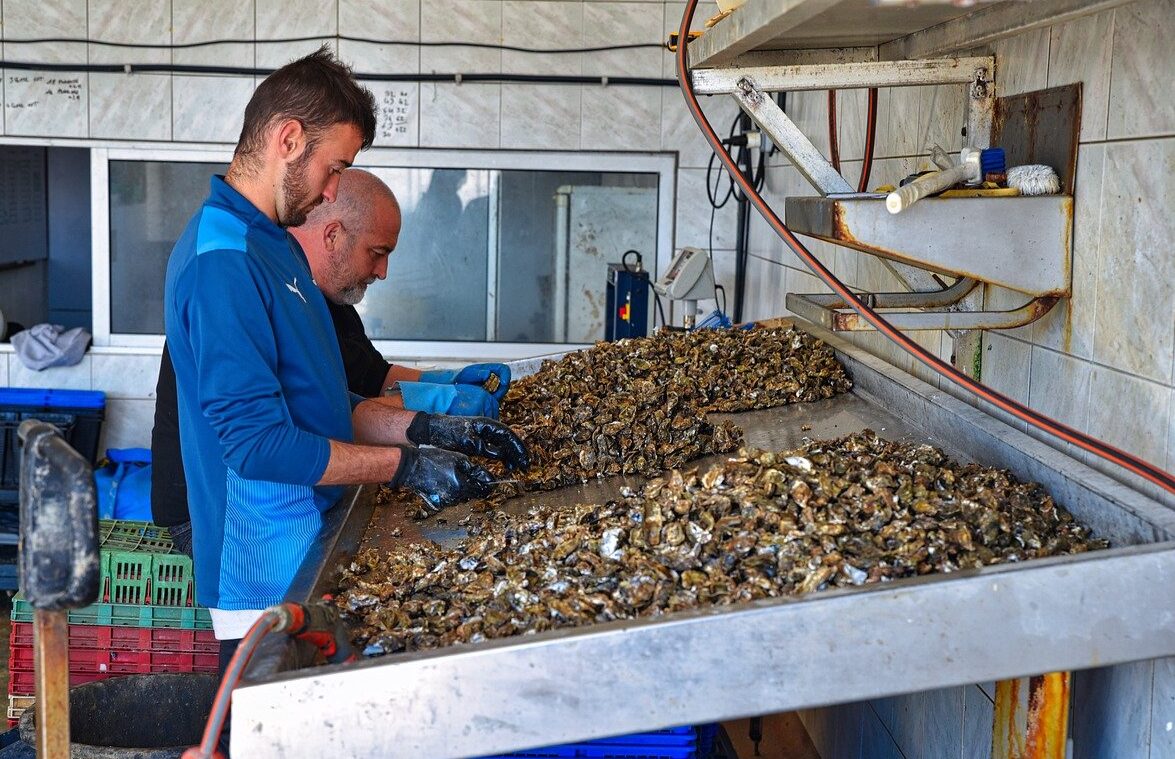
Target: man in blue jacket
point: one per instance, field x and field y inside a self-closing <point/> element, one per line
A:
<point x="347" y="243"/>
<point x="268" y="429"/>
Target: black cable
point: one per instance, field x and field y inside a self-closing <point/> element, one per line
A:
<point x="640" y="260"/>
<point x="348" y="38"/>
<point x="721" y="289"/>
<point x="660" y="310"/>
<point x="173" y="68"/>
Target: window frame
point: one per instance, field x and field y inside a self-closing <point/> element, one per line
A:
<point x="664" y="165"/>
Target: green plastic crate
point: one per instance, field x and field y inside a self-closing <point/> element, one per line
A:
<point x="127" y="576"/>
<point x="171" y="580"/>
<point x="126" y="615"/>
<point x="126" y="535"/>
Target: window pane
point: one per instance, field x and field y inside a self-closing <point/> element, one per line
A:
<point x="470" y="234"/>
<point x="436" y="287"/>
<point x="150" y="202"/>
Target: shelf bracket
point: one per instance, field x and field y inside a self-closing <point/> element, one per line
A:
<point x="833" y="313"/>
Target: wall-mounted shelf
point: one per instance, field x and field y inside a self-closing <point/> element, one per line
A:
<point x="1021" y="243"/>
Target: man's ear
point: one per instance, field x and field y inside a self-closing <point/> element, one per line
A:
<point x="291" y="140"/>
<point x="332" y="235"/>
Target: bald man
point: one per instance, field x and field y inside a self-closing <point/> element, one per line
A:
<point x="347" y="244"/>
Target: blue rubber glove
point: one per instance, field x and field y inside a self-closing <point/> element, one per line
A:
<point x="474" y="374"/>
<point x="455" y="400"/>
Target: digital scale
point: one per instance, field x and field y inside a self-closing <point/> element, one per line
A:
<point x="690" y="278"/>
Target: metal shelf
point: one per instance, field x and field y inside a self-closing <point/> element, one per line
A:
<point x="1021" y="243"/>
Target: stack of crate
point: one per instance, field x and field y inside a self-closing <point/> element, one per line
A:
<point x="145" y="620"/>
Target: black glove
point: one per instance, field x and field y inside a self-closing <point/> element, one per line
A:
<point x="442" y="478"/>
<point x="471" y="435"/>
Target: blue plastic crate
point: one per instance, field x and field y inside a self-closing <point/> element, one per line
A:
<point x="674" y="743"/>
<point x="594" y="751"/>
<point x="77" y="413"/>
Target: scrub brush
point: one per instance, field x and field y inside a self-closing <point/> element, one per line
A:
<point x="1034" y="179"/>
<point x="975" y="163"/>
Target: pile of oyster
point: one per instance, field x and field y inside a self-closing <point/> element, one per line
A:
<point x="836" y="513"/>
<point x="638" y="406"/>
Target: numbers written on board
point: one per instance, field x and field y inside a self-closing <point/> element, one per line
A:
<point x="397" y="112"/>
<point x="32" y="91"/>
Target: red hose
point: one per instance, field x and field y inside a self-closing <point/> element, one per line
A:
<point x="833" y="138"/>
<point x="1057" y="429"/>
<point x="870" y="134"/>
<point x="232" y="675"/>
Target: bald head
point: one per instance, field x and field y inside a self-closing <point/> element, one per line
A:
<point x="347" y="242"/>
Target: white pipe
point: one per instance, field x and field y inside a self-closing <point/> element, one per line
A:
<point x="904" y="197"/>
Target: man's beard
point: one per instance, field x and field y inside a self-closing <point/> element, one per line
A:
<point x="346" y="295"/>
<point x="351" y="295"/>
<point x="294" y="204"/>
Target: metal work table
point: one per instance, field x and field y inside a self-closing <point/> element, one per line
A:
<point x="829" y="647"/>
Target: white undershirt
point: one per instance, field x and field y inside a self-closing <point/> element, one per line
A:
<point x="233" y="624"/>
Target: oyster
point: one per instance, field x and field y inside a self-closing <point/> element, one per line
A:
<point x="638" y="406"/>
<point x="859" y="510"/>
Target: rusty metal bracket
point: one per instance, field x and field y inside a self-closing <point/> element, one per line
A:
<point x="833" y="313"/>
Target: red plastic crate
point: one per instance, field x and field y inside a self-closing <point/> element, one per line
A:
<point x="107" y="637"/>
<point x="22" y="682"/>
<point x="111" y="662"/>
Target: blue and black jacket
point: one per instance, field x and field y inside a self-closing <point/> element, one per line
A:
<point x="261" y="391"/>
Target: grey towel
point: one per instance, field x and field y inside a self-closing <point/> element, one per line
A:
<point x="47" y="345"/>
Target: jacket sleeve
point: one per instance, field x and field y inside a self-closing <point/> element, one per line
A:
<point x="236" y="359"/>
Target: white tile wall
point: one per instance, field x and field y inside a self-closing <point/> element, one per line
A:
<point x="1127" y="411"/>
<point x="380" y="20"/>
<point x="622" y="118"/>
<point x="130" y="106"/>
<point x="541" y="24"/>
<point x="539" y="116"/>
<point x="206" y="20"/>
<point x="34" y="19"/>
<point x="127" y="424"/>
<point x="1112" y="711"/>
<point x="1162" y="720"/>
<point x="460" y="20"/>
<point x="1142" y="70"/>
<point x="209" y="108"/>
<point x="622" y="23"/>
<point x="1079" y="51"/>
<point x="1022" y="62"/>
<point x="289" y="19"/>
<point x="1060" y="387"/>
<point x="1133" y="322"/>
<point x="127" y="377"/>
<point x="1006" y="365"/>
<point x="460" y="115"/>
<point x="76" y="377"/>
<point x="143" y="21"/>
<point x="693" y="213"/>
<point x="978" y="717"/>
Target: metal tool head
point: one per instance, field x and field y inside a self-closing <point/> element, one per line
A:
<point x="58" y="522"/>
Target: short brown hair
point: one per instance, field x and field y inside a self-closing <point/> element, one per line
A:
<point x="318" y="91"/>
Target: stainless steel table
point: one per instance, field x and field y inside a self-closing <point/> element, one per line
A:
<point x="829" y="647"/>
